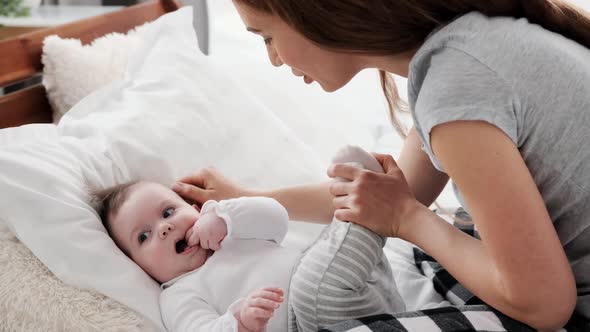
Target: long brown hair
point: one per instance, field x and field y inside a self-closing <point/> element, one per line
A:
<point x="384" y="27"/>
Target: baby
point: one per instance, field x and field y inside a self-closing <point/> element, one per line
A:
<point x="222" y="267"/>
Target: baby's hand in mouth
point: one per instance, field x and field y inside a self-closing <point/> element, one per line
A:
<point x="208" y="232"/>
<point x="187" y="242"/>
<point x="192" y="237"/>
<point x="181" y="246"/>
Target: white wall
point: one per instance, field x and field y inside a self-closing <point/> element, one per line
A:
<point x="585" y="4"/>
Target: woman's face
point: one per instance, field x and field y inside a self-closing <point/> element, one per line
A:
<point x="332" y="70"/>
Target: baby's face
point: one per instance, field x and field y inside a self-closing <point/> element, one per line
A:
<point x="150" y="227"/>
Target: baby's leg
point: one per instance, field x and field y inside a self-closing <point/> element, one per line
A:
<point x="344" y="275"/>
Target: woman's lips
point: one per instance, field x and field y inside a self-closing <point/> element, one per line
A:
<point x="307" y="79"/>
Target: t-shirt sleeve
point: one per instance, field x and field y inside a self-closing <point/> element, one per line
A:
<point x="458" y="87"/>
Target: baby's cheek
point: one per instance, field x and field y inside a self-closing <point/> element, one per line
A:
<point x="159" y="264"/>
<point x="157" y="256"/>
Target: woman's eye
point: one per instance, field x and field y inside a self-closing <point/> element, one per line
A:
<point x="167" y="212"/>
<point x="143" y="236"/>
<point x="267" y="41"/>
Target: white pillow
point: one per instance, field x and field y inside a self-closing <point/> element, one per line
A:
<point x="71" y="71"/>
<point x="173" y="113"/>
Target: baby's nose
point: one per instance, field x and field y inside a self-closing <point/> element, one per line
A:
<point x="165" y="230"/>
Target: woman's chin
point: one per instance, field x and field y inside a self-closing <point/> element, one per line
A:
<point x="335" y="85"/>
<point x="330" y="88"/>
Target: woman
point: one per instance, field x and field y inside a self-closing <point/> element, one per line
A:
<point x="499" y="92"/>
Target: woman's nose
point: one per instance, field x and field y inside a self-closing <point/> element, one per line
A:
<point x="297" y="72"/>
<point x="274" y="57"/>
<point x="165" y="229"/>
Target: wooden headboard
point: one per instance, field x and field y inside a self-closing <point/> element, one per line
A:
<point x="20" y="58"/>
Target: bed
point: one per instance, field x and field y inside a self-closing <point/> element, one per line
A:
<point x="33" y="299"/>
<point x="41" y="288"/>
<point x="60" y="272"/>
<point x="21" y="60"/>
<point x="53" y="282"/>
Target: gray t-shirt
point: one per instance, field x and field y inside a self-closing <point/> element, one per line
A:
<point x="532" y="84"/>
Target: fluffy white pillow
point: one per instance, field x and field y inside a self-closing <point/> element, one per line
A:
<point x="172" y="113"/>
<point x="72" y="71"/>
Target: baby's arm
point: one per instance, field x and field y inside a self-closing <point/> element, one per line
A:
<point x="183" y="311"/>
<point x="251" y="217"/>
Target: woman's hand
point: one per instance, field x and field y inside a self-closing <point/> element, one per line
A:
<point x="207" y="184"/>
<point x="380" y="202"/>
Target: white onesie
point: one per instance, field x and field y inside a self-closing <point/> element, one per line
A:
<point x="251" y="257"/>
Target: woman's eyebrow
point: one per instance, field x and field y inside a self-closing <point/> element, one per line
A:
<point x="254" y="30"/>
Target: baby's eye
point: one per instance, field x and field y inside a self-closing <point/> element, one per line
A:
<point x="167" y="212"/>
<point x="267" y="41"/>
<point x="143" y="236"/>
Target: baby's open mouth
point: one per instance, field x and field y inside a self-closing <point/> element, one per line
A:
<point x="181" y="246"/>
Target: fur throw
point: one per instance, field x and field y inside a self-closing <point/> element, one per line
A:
<point x="33" y="299"/>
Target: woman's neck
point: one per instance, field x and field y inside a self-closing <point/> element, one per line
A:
<point x="398" y="64"/>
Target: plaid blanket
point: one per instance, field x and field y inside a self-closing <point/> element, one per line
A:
<point x="467" y="314"/>
<point x="446" y="319"/>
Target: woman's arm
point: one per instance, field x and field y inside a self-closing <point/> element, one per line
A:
<point x="311" y="202"/>
<point x="314" y="202"/>
<point x="425" y="181"/>
<point x="519" y="267"/>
